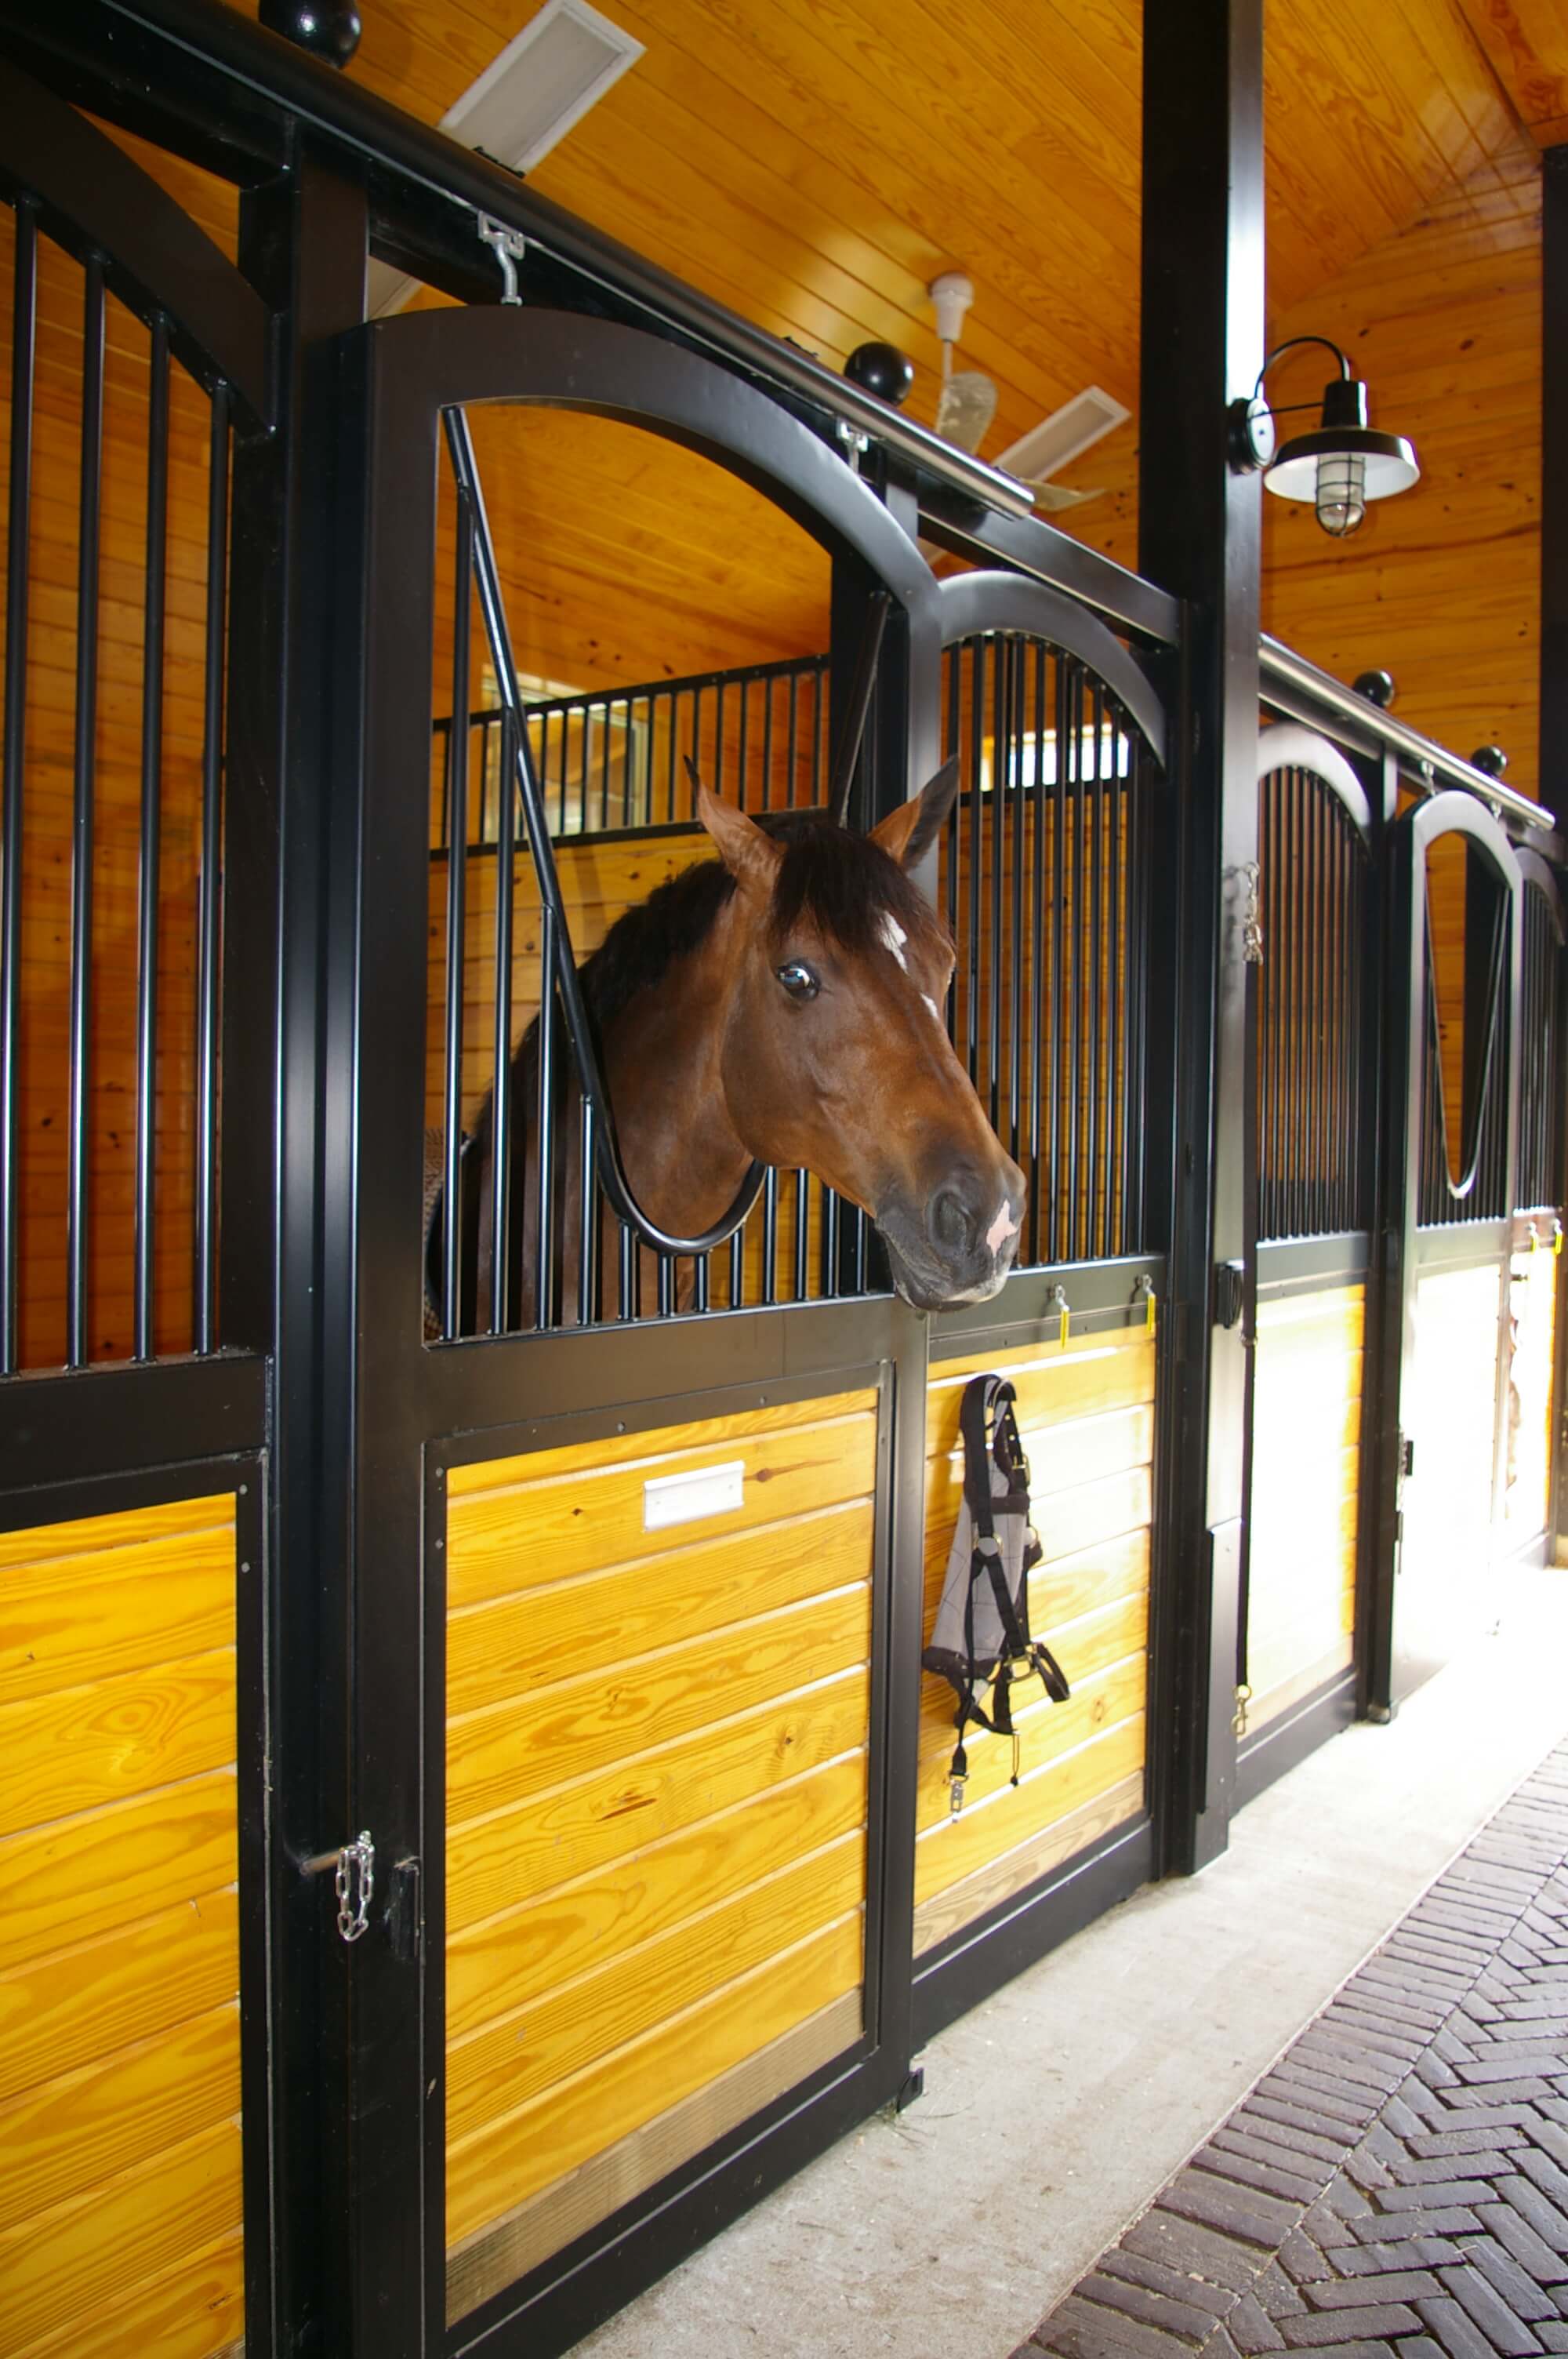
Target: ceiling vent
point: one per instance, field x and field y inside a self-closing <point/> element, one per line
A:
<point x="544" y="81"/>
<point x="1064" y="435"/>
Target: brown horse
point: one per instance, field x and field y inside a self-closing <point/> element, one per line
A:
<point x="782" y="1003"/>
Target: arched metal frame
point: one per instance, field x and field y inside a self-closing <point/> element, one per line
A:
<point x="423" y="365"/>
<point x="1092" y="1047"/>
<point x="1541" y="1086"/>
<point x="1301" y="1101"/>
<point x="1452" y="812"/>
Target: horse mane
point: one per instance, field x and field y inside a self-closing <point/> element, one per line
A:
<point x="844" y="882"/>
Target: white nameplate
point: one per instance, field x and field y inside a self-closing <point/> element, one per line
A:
<point x="683" y="1498"/>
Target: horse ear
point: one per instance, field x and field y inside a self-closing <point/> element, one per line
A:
<point x="908" y="833"/>
<point x="751" y="858"/>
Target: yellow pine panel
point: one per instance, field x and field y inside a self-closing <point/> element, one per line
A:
<point x="86" y="1745"/>
<point x="75" y="2131"/>
<point x="1091" y="1645"/>
<point x="41" y="1544"/>
<point x="504" y="1646"/>
<point x="71" y="2262"/>
<point x="1069" y="1586"/>
<point x="196" y="2313"/>
<point x="68" y="1622"/>
<point x="1093" y="1374"/>
<point x="1269" y="1702"/>
<point x="1079" y="1450"/>
<point x="510" y="1959"/>
<point x="1341" y="1309"/>
<point x="569" y="2028"/>
<point x="500" y="2167"/>
<point x="1307" y="1638"/>
<point x="576" y="1523"/>
<point x="517" y="1748"/>
<point x="500" y="1862"/>
<point x="990" y="1826"/>
<point x="467" y="1484"/>
<point x="1097" y="1702"/>
<point x="1285" y="1420"/>
<point x="1067" y="1521"/>
<point x="86" y="1874"/>
<point x="74" y="2006"/>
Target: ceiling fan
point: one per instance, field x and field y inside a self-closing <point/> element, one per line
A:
<point x="967" y="405"/>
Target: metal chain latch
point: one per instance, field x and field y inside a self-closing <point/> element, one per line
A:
<point x="1243" y="1698"/>
<point x="355" y="1881"/>
<point x="1251" y="914"/>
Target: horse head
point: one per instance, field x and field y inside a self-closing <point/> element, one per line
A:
<point x="832" y="1050"/>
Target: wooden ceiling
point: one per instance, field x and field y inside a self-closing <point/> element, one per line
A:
<point x="814" y="163"/>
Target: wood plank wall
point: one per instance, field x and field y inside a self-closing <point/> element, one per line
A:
<point x="1306" y="1437"/>
<point x="1085" y="1414"/>
<point x="656" y="1765"/>
<point x="1439" y="586"/>
<point x="121" y="2226"/>
<point x="1532" y="1304"/>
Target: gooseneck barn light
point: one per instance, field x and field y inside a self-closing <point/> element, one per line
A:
<point x="1340" y="465"/>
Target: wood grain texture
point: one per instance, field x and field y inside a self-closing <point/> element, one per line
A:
<point x="656" y="1778"/>
<point x="120" y="2208"/>
<point x="1086" y="1417"/>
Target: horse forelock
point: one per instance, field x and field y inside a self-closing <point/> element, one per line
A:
<point x="848" y="888"/>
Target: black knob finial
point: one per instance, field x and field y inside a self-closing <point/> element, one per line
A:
<point x="327" y="28"/>
<point x="1490" y="759"/>
<point x="1377" y="687"/>
<point x="880" y="369"/>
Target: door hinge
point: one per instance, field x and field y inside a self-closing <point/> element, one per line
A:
<point x="353" y="1876"/>
<point x="1407" y="1456"/>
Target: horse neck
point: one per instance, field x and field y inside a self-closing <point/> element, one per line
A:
<point x="664" y="1066"/>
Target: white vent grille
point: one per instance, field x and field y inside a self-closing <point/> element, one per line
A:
<point x="544" y="81"/>
<point x="1067" y="432"/>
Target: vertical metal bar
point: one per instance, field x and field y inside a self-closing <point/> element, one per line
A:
<point x="545" y="1307"/>
<point x="1080" y="936"/>
<point x="501" y="1107"/>
<point x="210" y="878"/>
<point x="606" y="705"/>
<point x="829" y="1245"/>
<point x="717" y="781"/>
<point x="950" y="747"/>
<point x="588" y="1218"/>
<point x="769" y="697"/>
<point x="1037" y="958"/>
<point x="700" y="1280"/>
<point x="738" y="1269"/>
<point x="628" y="1273"/>
<point x="802" y="1236"/>
<point x="1320" y="1000"/>
<point x="1000" y="653"/>
<point x="666" y="1276"/>
<point x="581" y="711"/>
<point x="1114" y="1081"/>
<point x="697" y="746"/>
<point x="1296" y="1226"/>
<point x="742" y="783"/>
<point x="1094" y="1177"/>
<point x="19" y="531"/>
<point x="1018" y="686"/>
<point x="456" y="799"/>
<point x="79" y="1110"/>
<point x="818" y="678"/>
<point x="976" y="655"/>
<point x="770" y="1236"/>
<point x="1058" y="923"/>
<point x="794" y="731"/>
<point x="154" y="606"/>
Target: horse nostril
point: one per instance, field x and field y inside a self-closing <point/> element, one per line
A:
<point x="950" y="1220"/>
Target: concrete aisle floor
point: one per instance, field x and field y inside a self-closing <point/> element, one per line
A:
<point x="1053" y="2113"/>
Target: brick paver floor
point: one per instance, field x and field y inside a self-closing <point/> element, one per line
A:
<point x="1397" y="2182"/>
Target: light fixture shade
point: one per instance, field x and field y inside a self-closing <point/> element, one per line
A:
<point x="1389" y="461"/>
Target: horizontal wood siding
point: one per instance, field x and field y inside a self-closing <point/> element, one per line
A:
<point x="657" y="1783"/>
<point x="1087" y="1418"/>
<point x="121" y="2228"/>
<point x="1532" y="1302"/>
<point x="1306" y="1433"/>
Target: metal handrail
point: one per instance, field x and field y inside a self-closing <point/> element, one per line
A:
<point x="1281" y="663"/>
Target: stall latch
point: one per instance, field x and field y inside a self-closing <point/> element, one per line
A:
<point x="352" y="1869"/>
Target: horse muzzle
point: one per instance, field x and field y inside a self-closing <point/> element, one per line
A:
<point x="960" y="1246"/>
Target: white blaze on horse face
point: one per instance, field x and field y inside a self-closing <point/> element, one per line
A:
<point x="1001" y="1228"/>
<point x="894" y="938"/>
<point x="933" y="1006"/>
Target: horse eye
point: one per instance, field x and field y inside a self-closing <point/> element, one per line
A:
<point x="799" y="980"/>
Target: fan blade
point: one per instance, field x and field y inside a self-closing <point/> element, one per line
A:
<point x="1054" y="496"/>
<point x="966" y="409"/>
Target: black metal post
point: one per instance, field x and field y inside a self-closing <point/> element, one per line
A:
<point x="284" y="1260"/>
<point x="1202" y="325"/>
<point x="1554" y="783"/>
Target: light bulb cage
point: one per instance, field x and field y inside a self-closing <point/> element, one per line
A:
<point x="1341" y="464"/>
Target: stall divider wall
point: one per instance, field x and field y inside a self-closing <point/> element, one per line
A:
<point x="578" y="1876"/>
